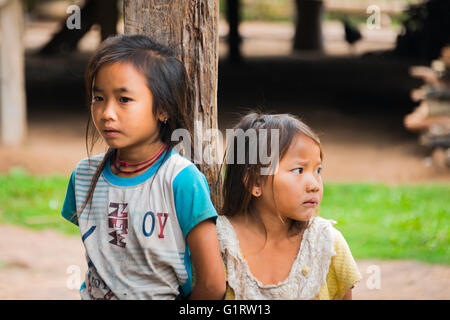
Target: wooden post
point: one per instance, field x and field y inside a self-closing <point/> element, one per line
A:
<point x="12" y="74"/>
<point x="308" y="30"/>
<point x="191" y="28"/>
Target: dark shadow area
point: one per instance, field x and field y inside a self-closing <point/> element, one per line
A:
<point x="361" y="86"/>
<point x="369" y="89"/>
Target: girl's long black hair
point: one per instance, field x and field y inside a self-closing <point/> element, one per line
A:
<point x="166" y="78"/>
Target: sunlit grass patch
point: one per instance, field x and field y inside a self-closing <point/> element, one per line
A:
<point x="392" y="222"/>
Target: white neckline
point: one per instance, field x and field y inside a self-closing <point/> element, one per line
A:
<point x="247" y="267"/>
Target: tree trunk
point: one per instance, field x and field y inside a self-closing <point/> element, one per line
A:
<point x="191" y="28"/>
<point x="13" y="122"/>
<point x="308" y="31"/>
<point x="234" y="39"/>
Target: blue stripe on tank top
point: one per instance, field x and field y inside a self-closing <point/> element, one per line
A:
<point x="175" y="252"/>
<point x="88" y="233"/>
<point x="84" y="192"/>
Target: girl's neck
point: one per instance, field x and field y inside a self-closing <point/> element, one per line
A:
<point x="274" y="228"/>
<point x="139" y="154"/>
<point x="130" y="162"/>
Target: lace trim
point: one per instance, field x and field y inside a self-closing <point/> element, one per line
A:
<point x="308" y="272"/>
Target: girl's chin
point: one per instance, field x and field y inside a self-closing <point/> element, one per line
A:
<point x="304" y="216"/>
<point x="114" y="146"/>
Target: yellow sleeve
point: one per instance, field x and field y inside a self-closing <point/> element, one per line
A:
<point x="343" y="273"/>
<point x="229" y="294"/>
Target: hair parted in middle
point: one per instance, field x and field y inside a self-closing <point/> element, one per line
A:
<point x="240" y="177"/>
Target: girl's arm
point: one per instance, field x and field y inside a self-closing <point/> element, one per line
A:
<point x="205" y="254"/>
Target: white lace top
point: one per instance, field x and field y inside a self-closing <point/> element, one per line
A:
<point x="308" y="272"/>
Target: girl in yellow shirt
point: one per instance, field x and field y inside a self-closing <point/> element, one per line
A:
<point x="273" y="243"/>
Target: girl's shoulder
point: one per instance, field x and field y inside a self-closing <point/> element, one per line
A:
<point x="320" y="227"/>
<point x="178" y="169"/>
<point x="344" y="272"/>
<point x="320" y="230"/>
<point x="322" y="223"/>
<point x="89" y="164"/>
<point x="227" y="237"/>
<point x="342" y="262"/>
<point x="178" y="161"/>
<point x="225" y="228"/>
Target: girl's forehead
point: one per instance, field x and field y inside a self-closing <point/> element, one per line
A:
<point x="119" y="72"/>
<point x="303" y="147"/>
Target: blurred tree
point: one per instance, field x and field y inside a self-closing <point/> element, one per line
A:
<point x="308" y="29"/>
<point x="234" y="39"/>
<point x="103" y="12"/>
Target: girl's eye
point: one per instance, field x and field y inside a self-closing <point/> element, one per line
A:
<point x="125" y="99"/>
<point x="97" y="98"/>
<point x="298" y="170"/>
<point x="319" y="170"/>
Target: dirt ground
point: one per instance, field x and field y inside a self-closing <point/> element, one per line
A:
<point x="47" y="265"/>
<point x="359" y="144"/>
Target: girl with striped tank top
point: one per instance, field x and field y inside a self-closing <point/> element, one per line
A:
<point x="143" y="210"/>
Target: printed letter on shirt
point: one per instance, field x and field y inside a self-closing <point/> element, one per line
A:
<point x="118" y="223"/>
<point x="162" y="224"/>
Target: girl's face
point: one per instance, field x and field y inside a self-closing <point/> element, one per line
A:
<point x="122" y="107"/>
<point x="297" y="185"/>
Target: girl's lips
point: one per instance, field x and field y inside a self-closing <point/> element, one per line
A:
<point x="111" y="133"/>
<point x="311" y="202"/>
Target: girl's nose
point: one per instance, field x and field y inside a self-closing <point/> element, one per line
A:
<point x="109" y="112"/>
<point x="312" y="185"/>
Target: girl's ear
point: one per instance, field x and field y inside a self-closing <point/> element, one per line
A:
<point x="256" y="191"/>
<point x="255" y="188"/>
<point x="163" y="116"/>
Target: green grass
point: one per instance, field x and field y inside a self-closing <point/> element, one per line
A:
<point x="378" y="221"/>
<point x="34" y="202"/>
<point x="401" y="222"/>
